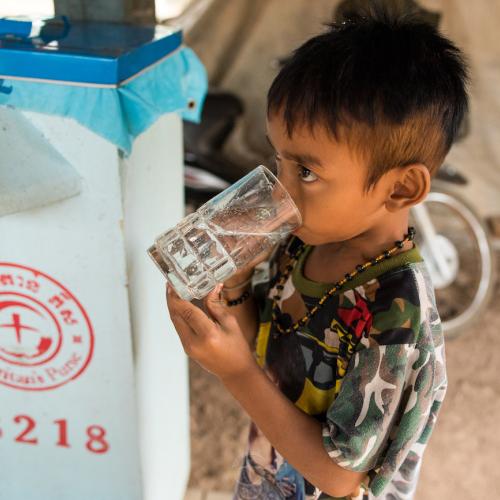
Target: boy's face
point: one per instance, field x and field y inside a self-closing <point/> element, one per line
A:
<point x="326" y="181"/>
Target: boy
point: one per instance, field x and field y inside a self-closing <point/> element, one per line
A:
<point x="338" y="357"/>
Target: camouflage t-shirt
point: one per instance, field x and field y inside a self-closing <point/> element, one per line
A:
<point x="369" y="365"/>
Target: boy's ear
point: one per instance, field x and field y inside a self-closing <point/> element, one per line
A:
<point x="409" y="186"/>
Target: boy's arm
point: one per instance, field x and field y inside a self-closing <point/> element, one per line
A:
<point x="296" y="435"/>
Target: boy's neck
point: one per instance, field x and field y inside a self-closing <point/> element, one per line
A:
<point x="370" y="243"/>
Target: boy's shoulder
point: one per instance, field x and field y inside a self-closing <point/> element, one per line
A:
<point x="402" y="308"/>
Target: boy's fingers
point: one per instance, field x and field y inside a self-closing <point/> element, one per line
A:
<point x="206" y="305"/>
<point x="218" y="309"/>
<point x="191" y="315"/>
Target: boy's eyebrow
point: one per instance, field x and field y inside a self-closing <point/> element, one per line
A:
<point x="306" y="159"/>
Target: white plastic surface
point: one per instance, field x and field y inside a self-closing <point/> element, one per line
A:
<point x="32" y="172"/>
<point x="86" y="243"/>
<point x="154" y="201"/>
<point x="79" y="243"/>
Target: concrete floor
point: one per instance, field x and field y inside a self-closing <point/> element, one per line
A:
<point x="460" y="460"/>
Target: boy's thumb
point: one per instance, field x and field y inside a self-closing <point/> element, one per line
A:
<point x="215" y="305"/>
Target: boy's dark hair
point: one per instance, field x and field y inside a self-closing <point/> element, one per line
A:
<point x="388" y="85"/>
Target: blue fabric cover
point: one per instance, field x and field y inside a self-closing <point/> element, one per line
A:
<point x="119" y="114"/>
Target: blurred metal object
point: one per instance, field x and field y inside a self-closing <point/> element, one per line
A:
<point x="448" y="173"/>
<point x="456" y="246"/>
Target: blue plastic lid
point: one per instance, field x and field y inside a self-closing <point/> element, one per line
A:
<point x="104" y="54"/>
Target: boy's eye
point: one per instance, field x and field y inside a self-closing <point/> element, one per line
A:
<point x="306" y="175"/>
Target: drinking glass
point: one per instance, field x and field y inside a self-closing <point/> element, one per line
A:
<point x="225" y="234"/>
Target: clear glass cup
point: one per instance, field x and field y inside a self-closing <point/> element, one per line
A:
<point x="225" y="234"/>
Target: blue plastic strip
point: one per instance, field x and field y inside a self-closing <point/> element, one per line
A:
<point x="119" y="114"/>
<point x="25" y="62"/>
<point x="59" y="67"/>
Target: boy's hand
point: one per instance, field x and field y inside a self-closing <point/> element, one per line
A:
<point x="216" y="342"/>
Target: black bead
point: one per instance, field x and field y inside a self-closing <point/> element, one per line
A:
<point x="400" y="244"/>
<point x="411" y="232"/>
<point x="387" y="254"/>
<point x="348" y="277"/>
<point x="239" y="300"/>
<point x="359" y="268"/>
<point x="285" y="320"/>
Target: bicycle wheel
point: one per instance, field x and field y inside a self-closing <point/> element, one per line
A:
<point x="463" y="240"/>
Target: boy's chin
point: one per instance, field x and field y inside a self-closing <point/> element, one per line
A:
<point x="311" y="239"/>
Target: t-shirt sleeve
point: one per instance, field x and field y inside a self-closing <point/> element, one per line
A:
<point x="387" y="391"/>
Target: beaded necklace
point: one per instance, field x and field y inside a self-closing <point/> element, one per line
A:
<point x="276" y="312"/>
